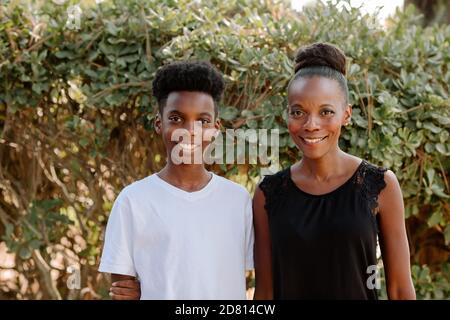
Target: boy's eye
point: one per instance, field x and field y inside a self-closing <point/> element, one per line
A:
<point x="205" y="121"/>
<point x="175" y="119"/>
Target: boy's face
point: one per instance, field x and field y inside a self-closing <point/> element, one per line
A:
<point x="187" y="123"/>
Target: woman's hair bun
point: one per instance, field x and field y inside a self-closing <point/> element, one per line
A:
<point x="321" y="55"/>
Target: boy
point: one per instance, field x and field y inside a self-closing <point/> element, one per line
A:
<point x="186" y="233"/>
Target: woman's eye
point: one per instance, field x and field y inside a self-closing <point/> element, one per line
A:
<point x="296" y="113"/>
<point x="205" y="121"/>
<point x="327" y="112"/>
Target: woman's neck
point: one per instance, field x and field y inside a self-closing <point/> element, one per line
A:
<point x="323" y="169"/>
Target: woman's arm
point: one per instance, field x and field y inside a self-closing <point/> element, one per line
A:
<point x="393" y="241"/>
<point x="263" y="250"/>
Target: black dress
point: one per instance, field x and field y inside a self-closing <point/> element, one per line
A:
<point x="323" y="246"/>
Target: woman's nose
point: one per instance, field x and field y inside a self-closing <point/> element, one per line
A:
<point x="311" y="124"/>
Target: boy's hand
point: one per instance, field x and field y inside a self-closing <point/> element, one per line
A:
<point x="125" y="290"/>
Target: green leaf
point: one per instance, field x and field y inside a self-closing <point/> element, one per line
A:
<point x="430" y="175"/>
<point x="435" y="218"/>
<point x="49" y="204"/>
<point x="111" y="28"/>
<point x="447" y="235"/>
<point x="439" y="191"/>
<point x="9" y="230"/>
<point x="443" y="120"/>
<point x="430" y="126"/>
<point x="441" y="148"/>
<point x="35" y="244"/>
<point x="228" y="113"/>
<point x="83" y="142"/>
<point x="25" y="253"/>
<point x="64" y="54"/>
<point x="443" y="137"/>
<point x="429" y="147"/>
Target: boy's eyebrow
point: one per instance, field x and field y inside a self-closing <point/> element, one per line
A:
<point x="175" y="112"/>
<point x="181" y="113"/>
<point x="321" y="106"/>
<point x="206" y="114"/>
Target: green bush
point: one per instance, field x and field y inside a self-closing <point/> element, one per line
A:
<point x="76" y="115"/>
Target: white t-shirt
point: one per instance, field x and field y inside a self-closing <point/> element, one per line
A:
<point x="181" y="245"/>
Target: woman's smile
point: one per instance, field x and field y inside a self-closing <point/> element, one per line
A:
<point x="313" y="141"/>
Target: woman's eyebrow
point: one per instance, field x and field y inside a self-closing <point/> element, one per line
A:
<point x="326" y="105"/>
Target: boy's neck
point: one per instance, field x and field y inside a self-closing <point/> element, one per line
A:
<point x="190" y="178"/>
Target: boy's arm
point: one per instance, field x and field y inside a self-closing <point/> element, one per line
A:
<point x="117" y="252"/>
<point x="124" y="287"/>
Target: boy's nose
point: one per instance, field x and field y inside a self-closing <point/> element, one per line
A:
<point x="193" y="127"/>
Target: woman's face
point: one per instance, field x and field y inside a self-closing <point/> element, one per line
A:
<point x="317" y="111"/>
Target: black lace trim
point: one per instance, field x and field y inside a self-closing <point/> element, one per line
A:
<point x="273" y="187"/>
<point x="370" y="178"/>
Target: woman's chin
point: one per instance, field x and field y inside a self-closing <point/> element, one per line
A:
<point x="312" y="154"/>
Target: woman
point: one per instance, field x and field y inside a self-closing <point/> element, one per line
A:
<point x="316" y="222"/>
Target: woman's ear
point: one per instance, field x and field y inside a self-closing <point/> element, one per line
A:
<point x="347" y="115"/>
<point x="158" y="121"/>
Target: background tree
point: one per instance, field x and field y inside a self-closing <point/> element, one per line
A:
<point x="76" y="114"/>
<point x="434" y="11"/>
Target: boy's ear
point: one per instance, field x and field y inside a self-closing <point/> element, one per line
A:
<point x="217" y="124"/>
<point x="158" y="121"/>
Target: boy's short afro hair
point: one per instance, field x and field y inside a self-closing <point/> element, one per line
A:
<point x="188" y="76"/>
